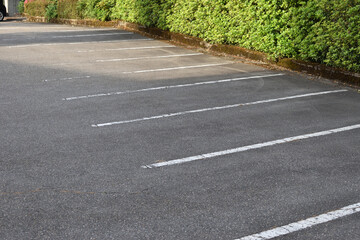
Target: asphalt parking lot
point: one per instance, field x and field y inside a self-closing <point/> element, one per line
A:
<point x="106" y="134"/>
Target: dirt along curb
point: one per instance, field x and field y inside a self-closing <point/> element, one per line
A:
<point x="338" y="75"/>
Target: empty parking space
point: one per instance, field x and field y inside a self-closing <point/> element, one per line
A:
<point x="172" y="87"/>
<point x="107" y="134"/>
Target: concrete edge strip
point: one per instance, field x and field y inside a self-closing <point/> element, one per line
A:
<point x="215" y="108"/>
<point x="170" y="87"/>
<point x="250" y="147"/>
<point x="303" y="224"/>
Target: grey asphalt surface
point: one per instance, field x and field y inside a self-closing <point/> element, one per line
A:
<point x="62" y="178"/>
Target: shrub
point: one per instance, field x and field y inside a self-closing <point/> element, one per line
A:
<point x="51" y="11"/>
<point x="97" y="9"/>
<point x="104" y="9"/>
<point x="150" y="13"/>
<point x="67" y="9"/>
<point x="87" y="8"/>
<point x="20" y="7"/>
<point x="36" y="7"/>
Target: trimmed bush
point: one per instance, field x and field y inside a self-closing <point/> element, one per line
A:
<point x="36" y="7"/>
<point x="67" y="9"/>
<point x="96" y="9"/>
<point x="20" y="7"/>
<point x="51" y="10"/>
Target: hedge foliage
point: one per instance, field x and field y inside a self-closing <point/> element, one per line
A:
<point x="36" y="8"/>
<point x="323" y="31"/>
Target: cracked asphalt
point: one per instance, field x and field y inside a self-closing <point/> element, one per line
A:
<point x="63" y="175"/>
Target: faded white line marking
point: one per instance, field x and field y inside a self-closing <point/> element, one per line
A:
<point x="65" y="36"/>
<point x="250" y="147"/>
<point x="215" y="108"/>
<point x="144" y="58"/>
<point x="169" y="87"/>
<point x="45" y="28"/>
<point x="64" y="79"/>
<point x="76" y="43"/>
<point x="177" y="68"/>
<point x="303" y="224"/>
<point x="128" y="48"/>
<point x="139" y="48"/>
<point x="90" y="35"/>
<point x="81" y="30"/>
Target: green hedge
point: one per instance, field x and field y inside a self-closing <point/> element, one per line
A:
<point x="68" y="9"/>
<point x="36" y="8"/>
<point x="323" y="31"/>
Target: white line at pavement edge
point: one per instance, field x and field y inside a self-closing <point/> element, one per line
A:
<point x="75" y="43"/>
<point x="63" y="79"/>
<point x="215" y="108"/>
<point x="154" y="57"/>
<point x="128" y="48"/>
<point x="303" y="224"/>
<point x="177" y="68"/>
<point x="89" y="35"/>
<point x="171" y="86"/>
<point x="67" y="36"/>
<point x="250" y="147"/>
<point x="47" y="27"/>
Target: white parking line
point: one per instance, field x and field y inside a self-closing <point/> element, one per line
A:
<point x="75" y="43"/>
<point x="128" y="48"/>
<point x="45" y="28"/>
<point x="66" y="36"/>
<point x="215" y="108"/>
<point x="64" y="79"/>
<point x="177" y="68"/>
<point x="250" y="147"/>
<point x="139" y="48"/>
<point x="303" y="224"/>
<point x="143" y="58"/>
<point x="80" y="30"/>
<point x="173" y="86"/>
<point x="91" y="35"/>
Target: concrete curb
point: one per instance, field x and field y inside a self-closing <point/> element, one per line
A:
<point x="321" y="70"/>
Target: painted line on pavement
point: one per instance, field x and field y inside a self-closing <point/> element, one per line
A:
<point x="170" y="87"/>
<point x="303" y="224"/>
<point x="45" y="28"/>
<point x="64" y="79"/>
<point x="139" y="58"/>
<point x="177" y="68"/>
<point x="75" y="43"/>
<point x="143" y="58"/>
<point x="66" y="36"/>
<point x="81" y="30"/>
<point x="215" y="108"/>
<point x="90" y="35"/>
<point x="250" y="147"/>
<point x="128" y="48"/>
<point x="139" y="48"/>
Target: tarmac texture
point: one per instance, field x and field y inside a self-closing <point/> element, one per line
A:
<point x="106" y="134"/>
